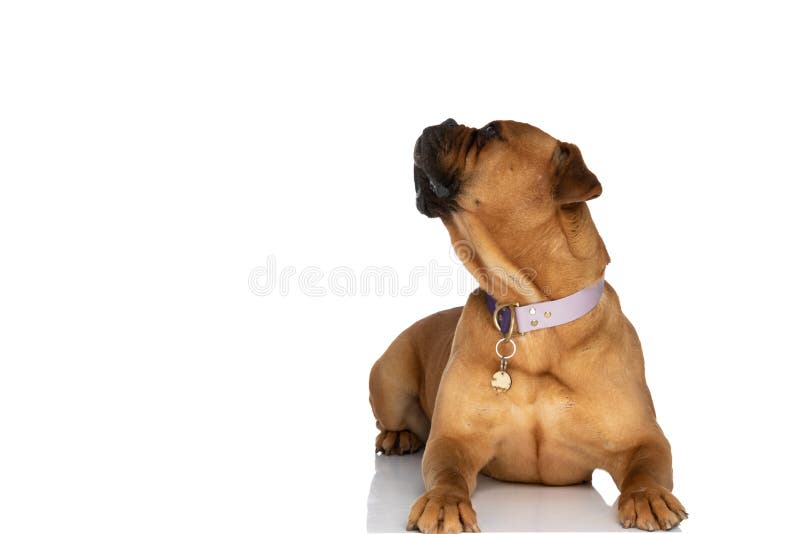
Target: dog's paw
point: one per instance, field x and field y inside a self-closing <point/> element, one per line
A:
<point x="397" y="442"/>
<point x="650" y="509"/>
<point x="437" y="512"/>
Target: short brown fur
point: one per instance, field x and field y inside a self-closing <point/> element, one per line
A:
<point x="579" y="400"/>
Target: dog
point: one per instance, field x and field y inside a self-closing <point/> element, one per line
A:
<point x="539" y="377"/>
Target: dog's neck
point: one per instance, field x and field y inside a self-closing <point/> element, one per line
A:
<point x="531" y="259"/>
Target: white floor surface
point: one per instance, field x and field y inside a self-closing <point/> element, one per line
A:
<point x="501" y="506"/>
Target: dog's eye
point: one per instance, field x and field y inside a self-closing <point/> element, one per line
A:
<point x="488" y="131"/>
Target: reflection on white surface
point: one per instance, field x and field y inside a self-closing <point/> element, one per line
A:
<point x="501" y="506"/>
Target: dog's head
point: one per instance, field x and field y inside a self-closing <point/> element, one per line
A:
<point x="497" y="170"/>
<point x="506" y="189"/>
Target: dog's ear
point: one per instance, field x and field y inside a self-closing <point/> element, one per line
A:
<point x="573" y="182"/>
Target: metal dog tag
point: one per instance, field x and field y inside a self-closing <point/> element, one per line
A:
<point x="501" y="381"/>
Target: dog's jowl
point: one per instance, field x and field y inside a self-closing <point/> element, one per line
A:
<point x="539" y="377"/>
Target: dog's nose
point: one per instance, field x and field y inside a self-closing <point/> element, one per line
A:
<point x="449" y="123"/>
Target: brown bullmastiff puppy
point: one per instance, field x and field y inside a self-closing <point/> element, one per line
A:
<point x="513" y="199"/>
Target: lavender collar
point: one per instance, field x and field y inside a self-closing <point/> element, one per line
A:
<point x="548" y="313"/>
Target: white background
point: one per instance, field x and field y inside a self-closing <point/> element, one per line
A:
<point x="152" y="154"/>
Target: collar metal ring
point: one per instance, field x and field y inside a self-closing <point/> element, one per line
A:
<point x="512" y="324"/>
<point x="513" y="348"/>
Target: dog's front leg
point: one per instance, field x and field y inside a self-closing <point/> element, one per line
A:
<point x="449" y="470"/>
<point x="644" y="478"/>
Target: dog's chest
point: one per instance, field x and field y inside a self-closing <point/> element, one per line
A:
<point x="543" y="433"/>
